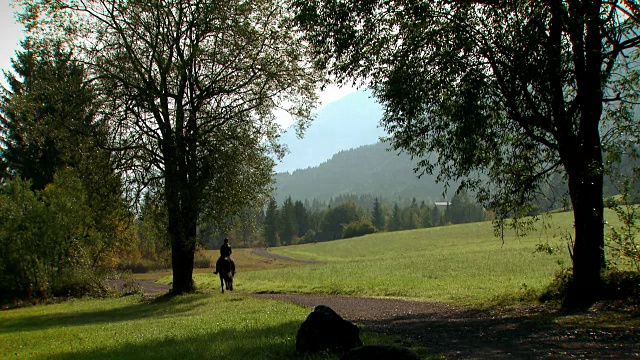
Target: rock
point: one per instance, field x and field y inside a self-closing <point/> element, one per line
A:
<point x="380" y="352"/>
<point x="324" y="329"/>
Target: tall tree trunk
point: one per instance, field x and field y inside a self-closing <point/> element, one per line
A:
<point x="584" y="164"/>
<point x="585" y="188"/>
<point x="182" y="223"/>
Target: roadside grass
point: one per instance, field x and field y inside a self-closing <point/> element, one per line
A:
<point x="463" y="264"/>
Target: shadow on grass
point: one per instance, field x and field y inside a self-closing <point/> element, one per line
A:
<point x="166" y="305"/>
<point x="531" y="334"/>
<point x="275" y="342"/>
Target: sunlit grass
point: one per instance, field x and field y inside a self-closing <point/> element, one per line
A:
<point x="185" y="327"/>
<point x="464" y="264"/>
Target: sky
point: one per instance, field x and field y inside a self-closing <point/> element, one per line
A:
<point x="11" y="33"/>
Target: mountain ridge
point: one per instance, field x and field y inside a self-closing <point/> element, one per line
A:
<point x="365" y="170"/>
<point x="347" y="123"/>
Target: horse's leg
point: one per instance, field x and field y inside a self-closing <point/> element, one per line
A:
<point x="221" y="283"/>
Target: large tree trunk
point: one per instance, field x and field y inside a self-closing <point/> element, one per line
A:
<point x="585" y="187"/>
<point x="182" y="224"/>
<point x="583" y="156"/>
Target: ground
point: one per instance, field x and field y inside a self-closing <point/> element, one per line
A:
<point x="529" y="332"/>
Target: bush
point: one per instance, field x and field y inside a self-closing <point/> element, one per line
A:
<point x="621" y="285"/>
<point x="202" y="261"/>
<point x="141" y="266"/>
<point x="616" y="285"/>
<point x="559" y="286"/>
<point x="358" y="228"/>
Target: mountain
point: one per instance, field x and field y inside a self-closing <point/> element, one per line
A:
<point x="366" y="170"/>
<point x="344" y="124"/>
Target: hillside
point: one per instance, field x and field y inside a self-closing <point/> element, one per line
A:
<point x="366" y="170"/>
<point x="344" y="124"/>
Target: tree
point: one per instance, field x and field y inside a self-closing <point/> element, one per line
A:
<point x="45" y="112"/>
<point x="377" y="215"/>
<point x="463" y="210"/>
<point x="187" y="90"/>
<point x="271" y="224"/>
<point x="288" y="226"/>
<point x="514" y="90"/>
<point x="395" y="220"/>
<point x="336" y="218"/>
<point x="302" y="219"/>
<point x="50" y="133"/>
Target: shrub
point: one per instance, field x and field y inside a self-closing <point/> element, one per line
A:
<point x="616" y="285"/>
<point x="202" y="261"/>
<point x="358" y="228"/>
<point x="141" y="266"/>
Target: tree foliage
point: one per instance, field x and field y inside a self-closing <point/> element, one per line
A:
<point x="71" y="223"/>
<point x="518" y="91"/>
<point x="187" y="91"/>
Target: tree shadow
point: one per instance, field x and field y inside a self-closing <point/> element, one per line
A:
<point x="219" y="343"/>
<point x="163" y="306"/>
<point x="487" y="334"/>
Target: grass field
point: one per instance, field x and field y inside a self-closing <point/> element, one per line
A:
<point x="463" y="264"/>
<point x="201" y="326"/>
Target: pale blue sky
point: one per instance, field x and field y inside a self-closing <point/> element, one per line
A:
<point x="9" y="36"/>
<point x="12" y="33"/>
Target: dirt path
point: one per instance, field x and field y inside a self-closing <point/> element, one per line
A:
<point x="264" y="252"/>
<point x="464" y="333"/>
<point x="533" y="332"/>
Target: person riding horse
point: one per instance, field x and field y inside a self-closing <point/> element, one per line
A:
<point x="225" y="252"/>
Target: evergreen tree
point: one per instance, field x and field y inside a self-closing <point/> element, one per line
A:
<point x="377" y="215"/>
<point x="395" y="221"/>
<point x="436" y="216"/>
<point x="288" y="226"/>
<point x="45" y="110"/>
<point x="302" y="220"/>
<point x="270" y="224"/>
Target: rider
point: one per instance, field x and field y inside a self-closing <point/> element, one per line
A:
<point x="225" y="251"/>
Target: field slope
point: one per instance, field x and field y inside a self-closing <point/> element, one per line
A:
<point x="464" y="264"/>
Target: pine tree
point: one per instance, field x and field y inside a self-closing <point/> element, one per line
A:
<point x="377" y="215"/>
<point x="271" y="224"/>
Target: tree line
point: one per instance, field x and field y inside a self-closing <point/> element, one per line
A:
<point x="296" y="222"/>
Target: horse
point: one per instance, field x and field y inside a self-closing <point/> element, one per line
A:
<point x="226" y="270"/>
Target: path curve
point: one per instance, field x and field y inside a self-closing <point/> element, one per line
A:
<point x="264" y="252"/>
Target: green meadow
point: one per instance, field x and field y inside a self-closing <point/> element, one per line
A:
<point x="461" y="264"/>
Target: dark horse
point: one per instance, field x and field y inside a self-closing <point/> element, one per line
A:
<point x="226" y="269"/>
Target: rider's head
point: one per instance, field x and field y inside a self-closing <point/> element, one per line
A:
<point x="226" y="241"/>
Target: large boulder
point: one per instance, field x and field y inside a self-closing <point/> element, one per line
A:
<point x="380" y="352"/>
<point x="324" y="330"/>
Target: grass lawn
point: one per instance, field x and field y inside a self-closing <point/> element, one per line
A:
<point x="200" y="326"/>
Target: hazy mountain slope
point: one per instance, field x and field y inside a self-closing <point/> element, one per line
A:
<point x="344" y="124"/>
<point x="368" y="169"/>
